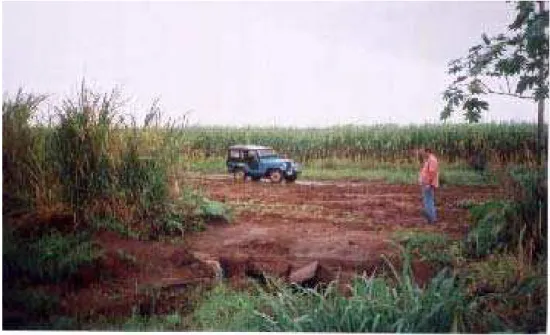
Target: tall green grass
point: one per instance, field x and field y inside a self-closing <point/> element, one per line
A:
<point x="386" y="305"/>
<point x="23" y="176"/>
<point x="503" y="142"/>
<point x="519" y="224"/>
<point x="372" y="305"/>
<point x="86" y="169"/>
<point x="93" y="161"/>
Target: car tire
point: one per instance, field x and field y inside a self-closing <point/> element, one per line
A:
<point x="239" y="175"/>
<point x="276" y="176"/>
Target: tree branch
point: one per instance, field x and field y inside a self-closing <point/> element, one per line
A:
<point x="491" y="91"/>
<point x="512" y="95"/>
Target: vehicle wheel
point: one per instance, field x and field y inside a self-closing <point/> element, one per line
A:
<point x="291" y="179"/>
<point x="256" y="178"/>
<point x="239" y="175"/>
<point x="276" y="176"/>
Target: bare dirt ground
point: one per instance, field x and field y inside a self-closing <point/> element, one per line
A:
<point x="277" y="228"/>
<point x="346" y="226"/>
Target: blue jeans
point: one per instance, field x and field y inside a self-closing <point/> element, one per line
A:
<point x="428" y="198"/>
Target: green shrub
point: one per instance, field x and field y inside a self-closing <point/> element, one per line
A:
<point x="528" y="225"/>
<point x="110" y="223"/>
<point x="82" y="149"/>
<point x="489" y="227"/>
<point x="374" y="305"/>
<point x="430" y="247"/>
<point x="520" y="224"/>
<point x="213" y="210"/>
<point x="224" y="309"/>
<point x="52" y="257"/>
<point x="520" y="307"/>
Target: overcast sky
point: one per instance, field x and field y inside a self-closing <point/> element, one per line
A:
<point x="254" y="63"/>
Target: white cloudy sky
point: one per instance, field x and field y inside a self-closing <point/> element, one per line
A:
<point x="254" y="63"/>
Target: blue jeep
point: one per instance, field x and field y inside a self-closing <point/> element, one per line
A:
<point x="259" y="162"/>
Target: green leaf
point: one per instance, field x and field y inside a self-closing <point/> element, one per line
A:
<point x="446" y="113"/>
<point x="520" y="54"/>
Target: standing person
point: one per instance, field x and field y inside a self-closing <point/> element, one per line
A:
<point x="429" y="181"/>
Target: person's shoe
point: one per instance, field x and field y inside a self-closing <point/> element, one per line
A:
<point x="427" y="217"/>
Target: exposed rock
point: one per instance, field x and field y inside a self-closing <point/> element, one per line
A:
<point x="311" y="275"/>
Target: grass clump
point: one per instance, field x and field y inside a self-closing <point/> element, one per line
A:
<point x="98" y="164"/>
<point x="110" y="223"/>
<point x="428" y="247"/>
<point x="52" y="257"/>
<point x="374" y="305"/>
<point x="21" y="167"/>
<point x="487" y="234"/>
<point x="517" y="225"/>
<point x="511" y="289"/>
<point x="224" y="309"/>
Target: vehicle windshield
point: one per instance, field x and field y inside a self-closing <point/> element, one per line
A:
<point x="266" y="153"/>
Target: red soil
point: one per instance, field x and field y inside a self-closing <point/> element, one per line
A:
<point x="345" y="226"/>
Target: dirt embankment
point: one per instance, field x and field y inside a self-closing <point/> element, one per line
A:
<point x="345" y="227"/>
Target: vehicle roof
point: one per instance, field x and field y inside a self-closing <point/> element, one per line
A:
<point x="248" y="147"/>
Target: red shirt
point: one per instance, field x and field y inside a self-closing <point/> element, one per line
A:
<point x="429" y="174"/>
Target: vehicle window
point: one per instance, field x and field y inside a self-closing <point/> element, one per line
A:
<point x="265" y="153"/>
<point x="252" y="154"/>
<point x="235" y="154"/>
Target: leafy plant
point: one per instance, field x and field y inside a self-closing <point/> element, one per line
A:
<point x="513" y="225"/>
<point x="52" y="257"/>
<point x="372" y="305"/>
<point x="487" y="234"/>
<point x="82" y="149"/>
<point x="528" y="225"/>
<point x="112" y="224"/>
<point x="224" y="309"/>
<point x="519" y="58"/>
<point x="430" y="247"/>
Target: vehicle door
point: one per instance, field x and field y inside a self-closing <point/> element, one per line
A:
<point x="234" y="159"/>
<point x="253" y="162"/>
